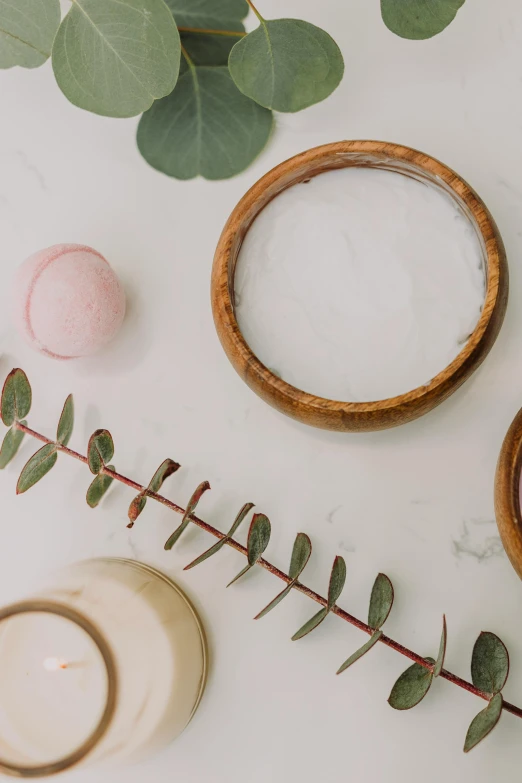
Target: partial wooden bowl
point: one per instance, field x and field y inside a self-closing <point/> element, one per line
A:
<point x="507" y="493"/>
<point x="357" y="416"/>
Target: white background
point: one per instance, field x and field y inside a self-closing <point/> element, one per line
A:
<point x="415" y="502"/>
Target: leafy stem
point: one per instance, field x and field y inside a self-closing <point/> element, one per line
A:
<point x="188" y="58"/>
<point x="254" y="9"/>
<point x="425" y="663"/>
<point x="202" y="31"/>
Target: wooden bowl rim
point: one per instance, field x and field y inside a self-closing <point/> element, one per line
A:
<point x="508" y="512"/>
<point x="223" y="308"/>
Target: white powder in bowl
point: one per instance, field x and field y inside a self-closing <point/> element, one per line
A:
<point x="360" y="284"/>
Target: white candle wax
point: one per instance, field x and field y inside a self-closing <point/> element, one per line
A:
<point x="359" y="285"/>
<point x="53" y="678"/>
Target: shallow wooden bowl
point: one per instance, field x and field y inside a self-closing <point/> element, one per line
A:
<point x="507" y="493"/>
<point x="357" y="416"/>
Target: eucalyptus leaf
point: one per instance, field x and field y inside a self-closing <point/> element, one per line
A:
<point x="300" y="556"/>
<point x="204" y="127"/>
<point x="243" y="571"/>
<point x="193" y="502"/>
<point x="337" y="580"/>
<point x="311" y="624"/>
<point x="10" y="445"/>
<point x="489" y="663"/>
<point x="484" y="723"/>
<point x="209" y="14"/>
<point x="208" y="49"/>
<point x="286" y="65"/>
<point x="222" y="541"/>
<point x="100" y="450"/>
<point x="136" y="507"/>
<point x="37" y="467"/>
<point x="381" y="601"/>
<point x="277" y="600"/>
<point x="98" y="488"/>
<point x="66" y="423"/>
<point x="16" y="397"/>
<point x="166" y="469"/>
<point x="115" y="57"/>
<point x="27" y="30"/>
<point x="419" y="19"/>
<point x="258" y="537"/>
<point x="411" y="687"/>
<point x="361" y="651"/>
<point x="442" y="648"/>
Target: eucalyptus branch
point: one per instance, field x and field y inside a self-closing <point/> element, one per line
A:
<point x="490" y="660"/>
<point x="202" y="31"/>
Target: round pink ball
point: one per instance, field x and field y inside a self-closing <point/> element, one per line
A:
<point x="67" y="301"/>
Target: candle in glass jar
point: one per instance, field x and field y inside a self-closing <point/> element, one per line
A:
<point x="359" y="284"/>
<point x="107" y="662"/>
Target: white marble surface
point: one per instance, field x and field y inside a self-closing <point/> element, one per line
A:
<point x="415" y="502"/>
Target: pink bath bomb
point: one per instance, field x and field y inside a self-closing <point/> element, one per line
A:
<point x="67" y="301"/>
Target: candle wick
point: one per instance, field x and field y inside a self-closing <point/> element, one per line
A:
<point x="57" y="664"/>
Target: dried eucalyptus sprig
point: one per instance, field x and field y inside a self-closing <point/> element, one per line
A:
<point x="490" y="660"/>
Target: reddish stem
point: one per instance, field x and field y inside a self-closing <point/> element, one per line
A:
<point x="349" y="618"/>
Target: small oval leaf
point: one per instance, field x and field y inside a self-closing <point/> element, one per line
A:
<point x="166" y="469"/>
<point x="10" y="445"/>
<point x="484" y="723"/>
<point x="193" y="502"/>
<point x="221" y="543"/>
<point x="337" y="580"/>
<point x="258" y="537"/>
<point x="419" y="19"/>
<point x="98" y="488"/>
<point x="100" y="450"/>
<point x="381" y="601"/>
<point x="16" y="397"/>
<point x="27" y="30"/>
<point x="136" y="507"/>
<point x="243" y="571"/>
<point x="311" y="624"/>
<point x="360" y="652"/>
<point x="442" y="648"/>
<point x="37" y="467"/>
<point x="115" y="57"/>
<point x="411" y="687"/>
<point x="300" y="555"/>
<point x="277" y="600"/>
<point x="286" y="64"/>
<point x="66" y="423"/>
<point x="489" y="663"/>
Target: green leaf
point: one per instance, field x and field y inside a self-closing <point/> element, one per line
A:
<point x="489" y="663"/>
<point x="204" y="127"/>
<point x="98" y="488"/>
<point x="419" y="19"/>
<point x="115" y="57"/>
<point x="442" y="648"/>
<point x="258" y="540"/>
<point x="311" y="624"/>
<point x="209" y="14"/>
<point x="286" y="65"/>
<point x="10" y="445"/>
<point x="277" y="600"/>
<point x="258" y="537"/>
<point x="381" y="601"/>
<point x="222" y="541"/>
<point x="300" y="555"/>
<point x="37" y="467"/>
<point x="411" y="687"/>
<point x="166" y="469"/>
<point x="361" y="651"/>
<point x="193" y="502"/>
<point x="16" y="397"/>
<point x="100" y="450"/>
<point x="208" y="49"/>
<point x="66" y="423"/>
<point x="27" y="30"/>
<point x="484" y="723"/>
<point x="337" y="580"/>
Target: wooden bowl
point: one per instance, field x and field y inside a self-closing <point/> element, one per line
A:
<point x="357" y="416"/>
<point x="507" y="493"/>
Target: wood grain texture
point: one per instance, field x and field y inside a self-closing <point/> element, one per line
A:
<point x="351" y="416"/>
<point x="507" y="493"/>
